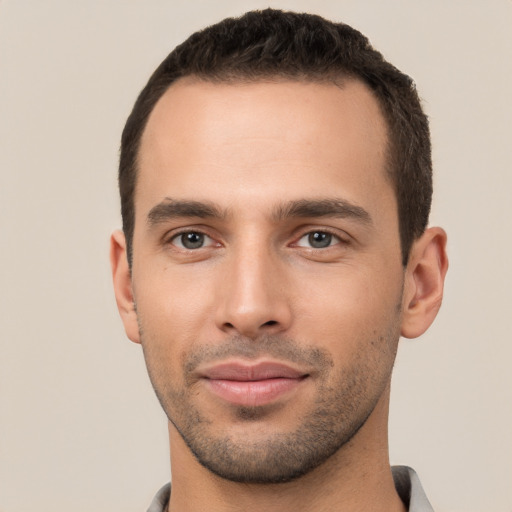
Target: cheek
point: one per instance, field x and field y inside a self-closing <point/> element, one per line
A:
<point x="353" y="315"/>
<point x="349" y="297"/>
<point x="173" y="304"/>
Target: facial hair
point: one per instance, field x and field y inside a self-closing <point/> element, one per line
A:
<point x="344" y="398"/>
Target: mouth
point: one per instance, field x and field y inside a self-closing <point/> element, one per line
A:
<point x="252" y="385"/>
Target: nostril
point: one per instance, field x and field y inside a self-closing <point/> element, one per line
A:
<point x="248" y="330"/>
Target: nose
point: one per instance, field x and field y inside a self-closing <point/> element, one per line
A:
<point x="253" y="298"/>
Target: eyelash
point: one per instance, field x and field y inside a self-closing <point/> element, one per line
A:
<point x="171" y="239"/>
<point x="339" y="239"/>
<point x="335" y="235"/>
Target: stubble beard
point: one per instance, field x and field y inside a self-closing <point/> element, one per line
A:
<point x="339" y="411"/>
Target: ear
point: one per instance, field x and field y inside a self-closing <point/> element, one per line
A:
<point x="424" y="282"/>
<point x="123" y="285"/>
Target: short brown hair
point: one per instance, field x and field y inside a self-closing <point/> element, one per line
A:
<point x="275" y="44"/>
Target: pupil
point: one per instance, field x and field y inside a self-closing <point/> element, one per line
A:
<point x="318" y="239"/>
<point x="192" y="240"/>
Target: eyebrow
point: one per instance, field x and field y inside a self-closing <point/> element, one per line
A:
<point x="337" y="208"/>
<point x="170" y="209"/>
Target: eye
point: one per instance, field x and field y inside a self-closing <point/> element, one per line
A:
<point x="318" y="240"/>
<point x="190" y="240"/>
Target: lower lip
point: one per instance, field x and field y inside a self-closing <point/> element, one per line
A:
<point x="252" y="393"/>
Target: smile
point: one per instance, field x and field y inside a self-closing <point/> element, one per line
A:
<point x="252" y="385"/>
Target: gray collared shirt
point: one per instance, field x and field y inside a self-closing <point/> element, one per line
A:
<point x="407" y="484"/>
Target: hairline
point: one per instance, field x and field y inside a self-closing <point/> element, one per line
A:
<point x="338" y="78"/>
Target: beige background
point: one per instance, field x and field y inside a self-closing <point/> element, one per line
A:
<point x="80" y="428"/>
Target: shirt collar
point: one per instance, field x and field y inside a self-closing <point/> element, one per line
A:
<point x="409" y="489"/>
<point x="407" y="484"/>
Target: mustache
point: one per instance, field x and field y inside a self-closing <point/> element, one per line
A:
<point x="269" y="345"/>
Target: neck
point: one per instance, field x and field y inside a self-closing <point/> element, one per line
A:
<point x="357" y="477"/>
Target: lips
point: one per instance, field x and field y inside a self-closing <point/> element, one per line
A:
<point x="252" y="385"/>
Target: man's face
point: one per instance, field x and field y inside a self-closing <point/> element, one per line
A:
<point x="267" y="270"/>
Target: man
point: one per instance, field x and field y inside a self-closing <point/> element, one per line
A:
<point x="275" y="180"/>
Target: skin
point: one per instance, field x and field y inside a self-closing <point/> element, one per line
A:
<point x="232" y="165"/>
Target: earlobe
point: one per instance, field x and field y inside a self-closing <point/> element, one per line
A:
<point x="123" y="285"/>
<point x="424" y="282"/>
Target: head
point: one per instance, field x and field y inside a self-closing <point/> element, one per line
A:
<point x="276" y="45"/>
<point x="275" y="183"/>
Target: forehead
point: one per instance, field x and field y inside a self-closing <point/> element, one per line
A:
<point x="295" y="138"/>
